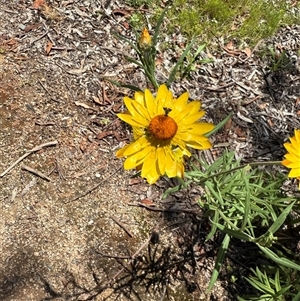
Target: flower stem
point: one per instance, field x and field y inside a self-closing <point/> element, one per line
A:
<point x="258" y="163"/>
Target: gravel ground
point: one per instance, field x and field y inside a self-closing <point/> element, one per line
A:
<point x="73" y="224"/>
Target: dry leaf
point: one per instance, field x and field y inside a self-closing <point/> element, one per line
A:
<point x="230" y="46"/>
<point x="122" y="12"/>
<point x="83" y="145"/>
<point x="239" y="132"/>
<point x="81" y="104"/>
<point x="158" y="61"/>
<point x="49" y="47"/>
<point x="97" y="100"/>
<point x="126" y="25"/>
<point x="147" y="202"/>
<point x="228" y="124"/>
<point x="38" y="3"/>
<point x="244" y="118"/>
<point x="31" y="27"/>
<point x="262" y="106"/>
<point x="247" y="51"/>
<point x="270" y="122"/>
<point x="104" y="134"/>
<point x="134" y="181"/>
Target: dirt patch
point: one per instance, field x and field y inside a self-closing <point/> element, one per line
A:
<point x="77" y="236"/>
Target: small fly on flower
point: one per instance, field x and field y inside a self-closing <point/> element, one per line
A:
<point x="167" y="111"/>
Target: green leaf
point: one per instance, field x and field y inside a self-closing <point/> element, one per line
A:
<point x="264" y="288"/>
<point x="131" y="87"/>
<point x="247" y="201"/>
<point x="279" y="260"/>
<point x="219" y="261"/>
<point x="284" y="290"/>
<point x="235" y="233"/>
<point x="297" y="297"/>
<point x="179" y="62"/>
<point x="281" y="218"/>
<point x="156" y="32"/>
<point x="132" y="60"/>
<point x="214" y="226"/>
<point x="189" y="67"/>
<point x="126" y="40"/>
<point x="218" y="126"/>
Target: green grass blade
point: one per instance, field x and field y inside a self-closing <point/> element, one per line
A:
<point x="281" y="218"/>
<point x="261" y="286"/>
<point x="157" y="27"/>
<point x="214" y="227"/>
<point x="126" y="40"/>
<point x="297" y="297"/>
<point x="279" y="260"/>
<point x="235" y="233"/>
<point x="179" y="62"/>
<point x="247" y="201"/>
<point x="132" y="60"/>
<point x="219" y="261"/>
<point x="218" y="126"/>
<point x="131" y="87"/>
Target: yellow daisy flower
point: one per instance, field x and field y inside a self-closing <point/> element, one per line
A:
<point x="164" y="129"/>
<point x="292" y="158"/>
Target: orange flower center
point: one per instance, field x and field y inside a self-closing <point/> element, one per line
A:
<point x="163" y="127"/>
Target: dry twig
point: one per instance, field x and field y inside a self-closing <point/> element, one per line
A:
<point x="94" y="187"/>
<point x="35" y="149"/>
<point x="122" y="226"/>
<point x="35" y="172"/>
<point x="174" y="210"/>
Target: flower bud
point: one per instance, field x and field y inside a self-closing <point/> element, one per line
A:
<point x="145" y="39"/>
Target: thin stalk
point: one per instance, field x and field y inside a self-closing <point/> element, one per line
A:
<point x="241" y="167"/>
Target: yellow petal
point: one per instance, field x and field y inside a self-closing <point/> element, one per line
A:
<point x="164" y="97"/>
<point x="294" y="173"/>
<point x="180" y="170"/>
<point x="178" y="141"/>
<point x="198" y="128"/>
<point x="285" y="162"/>
<point x="149" y="161"/>
<point x="136" y="109"/>
<point x="199" y="145"/>
<point x="189" y="109"/>
<point x="153" y="175"/>
<point x="192" y="118"/>
<point x="136" y="146"/>
<point x="292" y="158"/>
<point x="180" y="103"/>
<point x="293" y="165"/>
<point x="187" y="137"/>
<point x="145" y="39"/>
<point x="170" y="168"/>
<point x="292" y="149"/>
<point x="133" y="121"/>
<point x="138" y="132"/>
<point x="130" y="163"/>
<point x="150" y="103"/>
<point x="161" y="156"/>
<point x="139" y="97"/>
<point x="297" y="136"/>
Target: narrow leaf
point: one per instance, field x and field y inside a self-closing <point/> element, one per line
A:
<point x="279" y="260"/>
<point x="219" y="261"/>
<point x="179" y="62"/>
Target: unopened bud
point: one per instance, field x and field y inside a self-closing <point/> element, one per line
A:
<point x="145" y="39"/>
